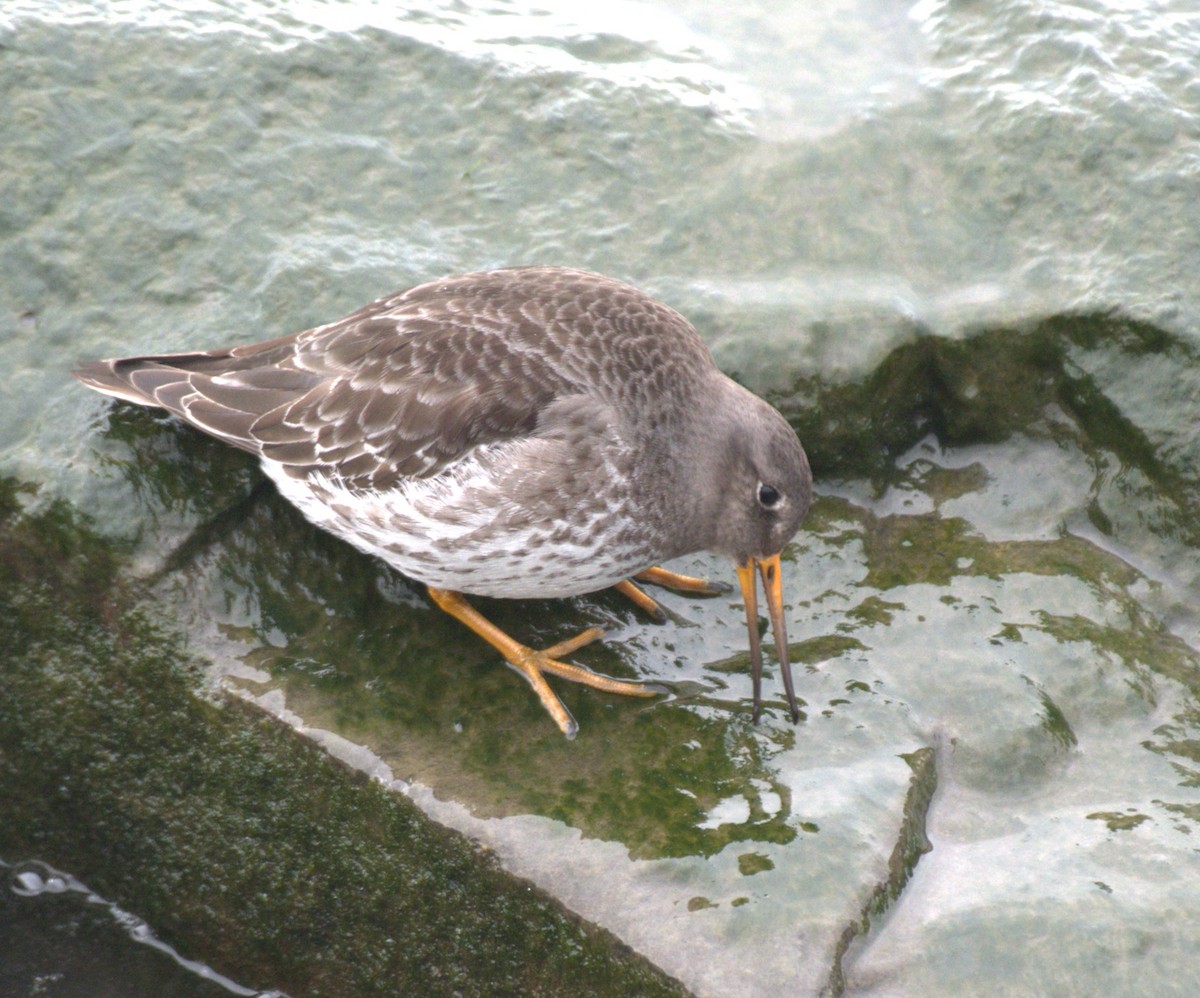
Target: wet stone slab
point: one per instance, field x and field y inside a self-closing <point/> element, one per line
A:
<point x="947" y="633"/>
<point x="980" y="320"/>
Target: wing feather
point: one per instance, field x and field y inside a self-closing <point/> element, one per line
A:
<point x="413" y="383"/>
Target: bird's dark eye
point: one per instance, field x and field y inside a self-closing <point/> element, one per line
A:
<point x="768" y="495"/>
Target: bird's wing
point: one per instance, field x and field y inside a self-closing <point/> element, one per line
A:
<point x="396" y="390"/>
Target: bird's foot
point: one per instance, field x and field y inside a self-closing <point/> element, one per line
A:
<point x="534" y="665"/>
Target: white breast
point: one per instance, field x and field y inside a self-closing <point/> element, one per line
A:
<point x="443" y="531"/>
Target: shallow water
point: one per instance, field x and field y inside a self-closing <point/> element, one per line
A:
<point x="60" y="938"/>
<point x="955" y="243"/>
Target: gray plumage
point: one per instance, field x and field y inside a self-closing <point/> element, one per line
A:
<point x="558" y="429"/>
<point x="533" y="432"/>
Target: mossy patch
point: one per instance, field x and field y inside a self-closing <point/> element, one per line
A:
<point x="242" y="844"/>
<point x="750" y="863"/>
<point x="1118" y="822"/>
<point x="985" y="386"/>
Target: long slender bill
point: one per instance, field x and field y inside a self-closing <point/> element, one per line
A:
<point x="772" y="577"/>
<point x="749" y="586"/>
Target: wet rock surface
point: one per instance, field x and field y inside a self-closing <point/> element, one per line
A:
<point x="971" y="287"/>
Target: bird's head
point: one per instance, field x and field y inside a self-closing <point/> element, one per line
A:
<point x="763" y="491"/>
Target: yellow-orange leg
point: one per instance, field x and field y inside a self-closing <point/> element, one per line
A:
<point x="531" y="663"/>
<point x="659" y="576"/>
<point x="671" y="580"/>
<point x="642" y="600"/>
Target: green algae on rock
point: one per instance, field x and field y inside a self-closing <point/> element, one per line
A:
<point x="241" y="844"/>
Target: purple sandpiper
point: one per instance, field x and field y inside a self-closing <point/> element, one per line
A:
<point x="523" y="433"/>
